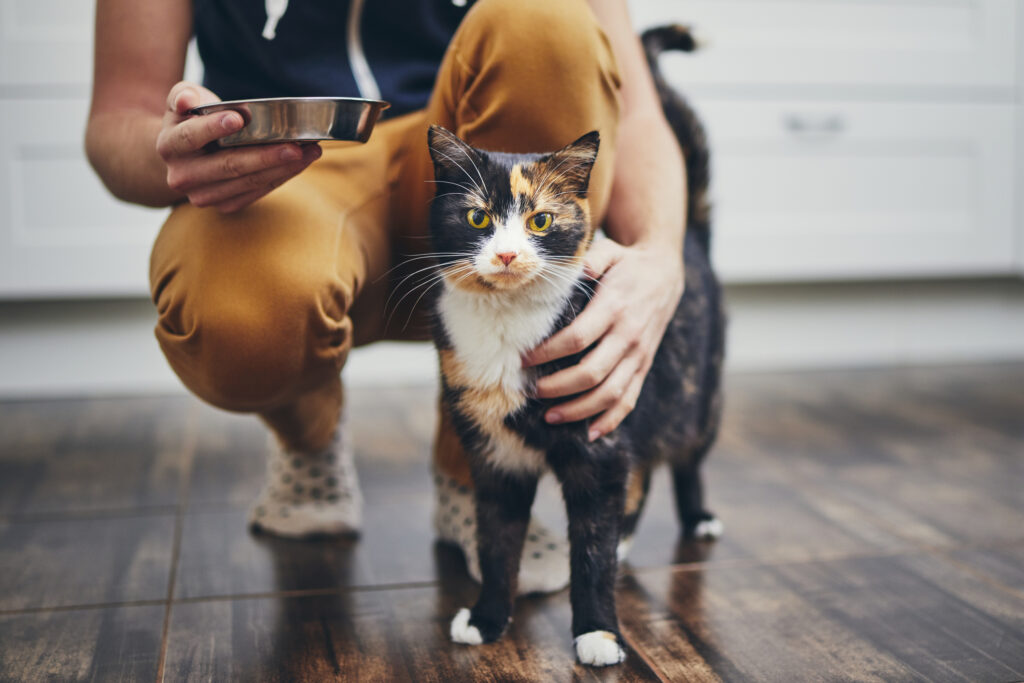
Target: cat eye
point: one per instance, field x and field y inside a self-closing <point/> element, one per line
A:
<point x="540" y="222"/>
<point x="478" y="218"/>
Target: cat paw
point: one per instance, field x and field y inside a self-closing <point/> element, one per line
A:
<point x="476" y="630"/>
<point x="704" y="527"/>
<point x="709" y="529"/>
<point x="599" y="648"/>
<point x="462" y="632"/>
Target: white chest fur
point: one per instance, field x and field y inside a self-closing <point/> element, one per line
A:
<point x="489" y="333"/>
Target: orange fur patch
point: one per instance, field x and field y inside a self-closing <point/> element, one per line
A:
<point x="487" y="407"/>
<point x="635" y="490"/>
<point x="518" y="182"/>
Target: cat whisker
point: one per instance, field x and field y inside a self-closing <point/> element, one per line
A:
<point x="473" y="192"/>
<point x="452" y="136"/>
<point x="464" y="171"/>
<point x="449" y="194"/>
<point x="426" y="278"/>
<point x="428" y="283"/>
<point x="409" y="258"/>
<point x="463" y="271"/>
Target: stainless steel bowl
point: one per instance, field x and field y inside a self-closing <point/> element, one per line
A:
<point x="299" y="119"/>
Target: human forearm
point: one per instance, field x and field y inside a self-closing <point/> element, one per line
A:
<point x="648" y="200"/>
<point x="121" y="146"/>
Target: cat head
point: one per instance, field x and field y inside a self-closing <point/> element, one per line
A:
<point x="503" y="221"/>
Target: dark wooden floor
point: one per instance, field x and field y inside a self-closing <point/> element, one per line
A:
<point x="874" y="531"/>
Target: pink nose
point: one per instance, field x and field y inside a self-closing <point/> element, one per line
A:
<point x="507" y="257"/>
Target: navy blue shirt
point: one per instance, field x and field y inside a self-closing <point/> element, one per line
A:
<point x="401" y="41"/>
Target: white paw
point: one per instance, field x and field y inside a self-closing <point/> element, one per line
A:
<point x="709" y="528"/>
<point x="599" y="648"/>
<point x="462" y="632"/>
<point x="622" y="550"/>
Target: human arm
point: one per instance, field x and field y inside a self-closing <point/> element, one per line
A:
<point x="139" y="138"/>
<point x="640" y="267"/>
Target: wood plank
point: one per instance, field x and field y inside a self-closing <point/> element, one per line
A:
<point x="58" y="563"/>
<point x="87" y="455"/>
<point x="107" y="644"/>
<point x="912" y="617"/>
<point x="394" y="635"/>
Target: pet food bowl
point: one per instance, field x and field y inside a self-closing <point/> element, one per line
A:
<point x="299" y="119"/>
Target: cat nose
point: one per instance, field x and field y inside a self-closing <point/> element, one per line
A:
<point x="507" y="257"/>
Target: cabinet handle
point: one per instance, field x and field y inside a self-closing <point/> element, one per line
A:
<point x="800" y="125"/>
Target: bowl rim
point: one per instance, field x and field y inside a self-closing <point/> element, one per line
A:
<point x="267" y="100"/>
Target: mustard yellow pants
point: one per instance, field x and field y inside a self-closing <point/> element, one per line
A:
<point x="258" y="309"/>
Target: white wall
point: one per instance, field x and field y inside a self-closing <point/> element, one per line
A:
<point x="107" y="347"/>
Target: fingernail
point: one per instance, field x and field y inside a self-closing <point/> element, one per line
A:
<point x="229" y="122"/>
<point x="290" y="154"/>
<point x="593" y="435"/>
<point x="553" y="417"/>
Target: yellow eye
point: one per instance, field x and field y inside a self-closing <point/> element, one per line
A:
<point x="540" y="222"/>
<point x="478" y="218"/>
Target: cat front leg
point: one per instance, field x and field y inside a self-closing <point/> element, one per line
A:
<point x="503" y="501"/>
<point x="594" y="487"/>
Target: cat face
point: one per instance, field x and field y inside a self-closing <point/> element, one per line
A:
<point x="502" y="221"/>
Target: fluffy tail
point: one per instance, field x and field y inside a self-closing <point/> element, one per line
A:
<point x="687" y="127"/>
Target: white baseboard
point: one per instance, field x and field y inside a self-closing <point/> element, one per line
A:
<point x="107" y="347"/>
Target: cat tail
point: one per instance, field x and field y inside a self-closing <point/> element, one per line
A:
<point x="686" y="125"/>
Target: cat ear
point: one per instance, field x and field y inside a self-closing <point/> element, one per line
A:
<point x="449" y="153"/>
<point x="575" y="161"/>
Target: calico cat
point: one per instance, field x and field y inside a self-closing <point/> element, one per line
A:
<point x="510" y="231"/>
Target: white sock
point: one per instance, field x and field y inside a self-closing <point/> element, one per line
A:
<point x="309" y="494"/>
<point x="544" y="567"/>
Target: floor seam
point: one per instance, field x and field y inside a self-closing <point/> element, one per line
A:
<point x="189" y="448"/>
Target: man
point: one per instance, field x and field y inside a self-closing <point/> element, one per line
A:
<point x="274" y="261"/>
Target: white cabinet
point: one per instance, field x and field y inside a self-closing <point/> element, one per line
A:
<point x="842" y="42"/>
<point x="856" y="139"/>
<point x="851" y="139"/>
<point x="46" y="42"/>
<point x="813" y="190"/>
<point x="61" y="233"/>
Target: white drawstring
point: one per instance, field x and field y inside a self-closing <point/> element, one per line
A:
<point x="275" y="10"/>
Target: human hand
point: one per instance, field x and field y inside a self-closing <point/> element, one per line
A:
<point x="639" y="290"/>
<point x="228" y="179"/>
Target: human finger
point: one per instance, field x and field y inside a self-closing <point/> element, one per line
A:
<point x="239" y="202"/>
<point x="185" y="95"/>
<point x="618" y="412"/>
<point x="591" y="371"/>
<point x="218" y="193"/>
<point x="600" y="399"/>
<point x="601" y="256"/>
<point x="193" y="134"/>
<point x="595" y="320"/>
<point x="232" y="163"/>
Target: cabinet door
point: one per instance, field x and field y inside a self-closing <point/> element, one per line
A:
<point x="812" y="190"/>
<point x="46" y="42"/>
<point x="61" y="233"/>
<point x="842" y="42"/>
